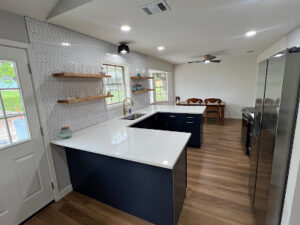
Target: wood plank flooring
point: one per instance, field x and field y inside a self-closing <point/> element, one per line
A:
<point x="218" y="179"/>
<point x="217" y="191"/>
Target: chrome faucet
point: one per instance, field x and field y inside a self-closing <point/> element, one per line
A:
<point x="124" y="104"/>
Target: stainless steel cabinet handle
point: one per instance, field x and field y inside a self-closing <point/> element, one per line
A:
<point x="190" y="117"/>
<point x="190" y="122"/>
<point x="172" y="116"/>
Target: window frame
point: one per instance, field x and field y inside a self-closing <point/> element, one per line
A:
<point x="117" y="104"/>
<point x="5" y="117"/>
<point x="166" y="87"/>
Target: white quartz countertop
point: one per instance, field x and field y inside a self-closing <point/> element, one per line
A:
<point x="114" y="138"/>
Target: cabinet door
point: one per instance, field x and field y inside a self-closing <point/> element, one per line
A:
<point x="162" y="121"/>
<point x="194" y="129"/>
<point x="173" y="122"/>
<point x="192" y="124"/>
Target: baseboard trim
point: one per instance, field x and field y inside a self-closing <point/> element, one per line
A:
<point x="64" y="192"/>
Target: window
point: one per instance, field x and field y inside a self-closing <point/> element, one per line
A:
<point x="13" y="122"/>
<point x="160" y="86"/>
<point x="115" y="85"/>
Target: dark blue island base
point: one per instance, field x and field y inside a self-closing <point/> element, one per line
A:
<point x="152" y="193"/>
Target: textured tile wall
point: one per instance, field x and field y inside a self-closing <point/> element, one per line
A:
<point x="84" y="55"/>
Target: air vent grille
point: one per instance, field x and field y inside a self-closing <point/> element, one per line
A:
<point x="156" y="7"/>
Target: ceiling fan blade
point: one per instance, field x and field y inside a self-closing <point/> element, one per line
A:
<point x="196" y="62"/>
<point x="216" y="61"/>
<point x="211" y="57"/>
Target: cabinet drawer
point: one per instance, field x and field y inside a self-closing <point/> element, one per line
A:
<point x="191" y="118"/>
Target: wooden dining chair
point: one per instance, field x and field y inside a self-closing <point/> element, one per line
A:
<point x="213" y="108"/>
<point x="177" y="100"/>
<point x="194" y="100"/>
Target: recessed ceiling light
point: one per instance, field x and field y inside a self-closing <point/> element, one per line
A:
<point x="251" y="33"/>
<point x="65" y="44"/>
<point x="160" y="48"/>
<point x="206" y="61"/>
<point x="125" y="28"/>
<point x="278" y="55"/>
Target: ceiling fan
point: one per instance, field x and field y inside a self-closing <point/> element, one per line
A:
<point x="208" y="59"/>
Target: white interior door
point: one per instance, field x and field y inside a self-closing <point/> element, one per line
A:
<point x="25" y="184"/>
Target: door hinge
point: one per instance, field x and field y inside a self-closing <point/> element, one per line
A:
<point x="29" y="68"/>
<point x="42" y="131"/>
<point x="52" y="185"/>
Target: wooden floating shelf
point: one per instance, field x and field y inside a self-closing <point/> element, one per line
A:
<point x="99" y="76"/>
<point x="141" y="78"/>
<point x="141" y="91"/>
<point x="83" y="99"/>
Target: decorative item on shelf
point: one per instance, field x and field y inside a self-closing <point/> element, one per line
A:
<point x="143" y="72"/>
<point x="108" y="93"/>
<point x="65" y="133"/>
<point x="70" y="98"/>
<point x="137" y="87"/>
<point x="138" y="75"/>
<point x="103" y="71"/>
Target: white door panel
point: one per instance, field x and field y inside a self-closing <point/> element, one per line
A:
<point x="25" y="184"/>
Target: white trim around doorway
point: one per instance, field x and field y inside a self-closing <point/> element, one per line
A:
<point x="38" y="98"/>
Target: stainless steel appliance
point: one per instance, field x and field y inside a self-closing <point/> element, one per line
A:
<point x="277" y="99"/>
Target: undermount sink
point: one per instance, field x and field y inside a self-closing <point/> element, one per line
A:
<point x="133" y="116"/>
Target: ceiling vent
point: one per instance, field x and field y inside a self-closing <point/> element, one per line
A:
<point x="156" y="7"/>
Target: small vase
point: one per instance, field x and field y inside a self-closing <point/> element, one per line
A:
<point x="65" y="133"/>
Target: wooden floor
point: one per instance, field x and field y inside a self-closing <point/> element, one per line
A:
<point x="218" y="179"/>
<point x="217" y="191"/>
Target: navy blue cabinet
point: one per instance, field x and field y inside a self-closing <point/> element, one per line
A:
<point x="181" y="122"/>
<point x="121" y="183"/>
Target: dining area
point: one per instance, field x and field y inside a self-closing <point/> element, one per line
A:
<point x="215" y="107"/>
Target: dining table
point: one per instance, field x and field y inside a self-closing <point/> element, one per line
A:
<point x="222" y="105"/>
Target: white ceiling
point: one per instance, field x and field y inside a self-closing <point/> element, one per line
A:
<point x="38" y="9"/>
<point x="191" y="29"/>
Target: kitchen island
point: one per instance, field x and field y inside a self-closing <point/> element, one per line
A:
<point x="140" y="171"/>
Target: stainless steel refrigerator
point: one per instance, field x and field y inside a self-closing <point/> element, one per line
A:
<point x="276" y="107"/>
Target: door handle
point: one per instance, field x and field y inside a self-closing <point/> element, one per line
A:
<point x="244" y="118"/>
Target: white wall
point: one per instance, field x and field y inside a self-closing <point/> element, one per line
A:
<point x="13" y="27"/>
<point x="232" y="80"/>
<point x="291" y="215"/>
